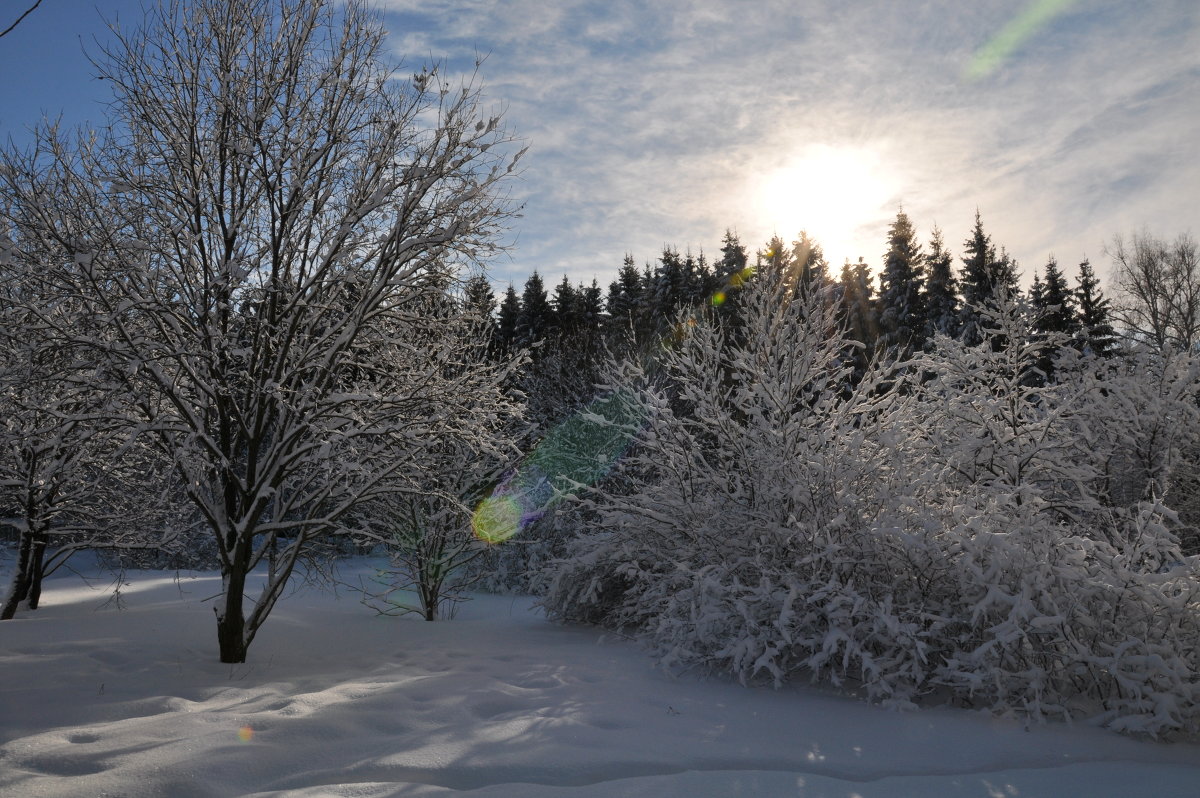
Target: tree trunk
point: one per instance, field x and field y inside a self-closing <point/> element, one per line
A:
<point x="35" y="572"/>
<point x="231" y="624"/>
<point x="21" y="578"/>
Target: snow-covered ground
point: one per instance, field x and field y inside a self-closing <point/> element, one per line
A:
<point x="335" y="701"/>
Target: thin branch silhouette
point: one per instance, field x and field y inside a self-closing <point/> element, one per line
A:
<point x="29" y="11"/>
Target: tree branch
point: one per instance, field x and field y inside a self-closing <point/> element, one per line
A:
<point x="29" y="11"/>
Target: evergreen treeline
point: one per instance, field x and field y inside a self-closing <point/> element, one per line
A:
<point x="919" y="295"/>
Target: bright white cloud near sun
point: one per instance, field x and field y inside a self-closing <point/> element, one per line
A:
<point x="663" y="124"/>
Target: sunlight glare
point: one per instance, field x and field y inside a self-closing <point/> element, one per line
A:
<point x="836" y="194"/>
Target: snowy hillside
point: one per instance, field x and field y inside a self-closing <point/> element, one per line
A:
<point x="336" y="701"/>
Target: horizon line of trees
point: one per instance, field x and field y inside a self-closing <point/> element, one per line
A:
<point x="917" y="294"/>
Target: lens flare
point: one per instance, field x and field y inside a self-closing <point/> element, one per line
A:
<point x="739" y="279"/>
<point x="245" y="734"/>
<point x="496" y="519"/>
<point x="1036" y="16"/>
<point x="575" y="454"/>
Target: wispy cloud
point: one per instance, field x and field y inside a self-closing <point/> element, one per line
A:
<point x="661" y="123"/>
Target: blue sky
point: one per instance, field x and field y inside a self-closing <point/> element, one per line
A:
<point x="666" y="122"/>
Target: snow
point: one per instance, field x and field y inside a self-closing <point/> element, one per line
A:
<point x="336" y="701"/>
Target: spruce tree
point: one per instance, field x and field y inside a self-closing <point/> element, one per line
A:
<point x="984" y="277"/>
<point x="1056" y="306"/>
<point x="808" y="261"/>
<point x="565" y="307"/>
<point x="479" y="303"/>
<point x="669" y="289"/>
<point x="591" y="306"/>
<point x="729" y="274"/>
<point x="1055" y="313"/>
<point x="903" y="318"/>
<point x="624" y="294"/>
<point x="941" y="290"/>
<point x="478" y="298"/>
<point x="734" y="260"/>
<point x="506" y="323"/>
<point x="536" y="316"/>
<point x="697" y="280"/>
<point x="1096" y="334"/>
<point x="1037" y="292"/>
<point x="645" y="313"/>
<point x="858" y="314"/>
<point x="774" y="259"/>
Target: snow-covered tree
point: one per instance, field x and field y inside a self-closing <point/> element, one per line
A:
<point x="745" y="464"/>
<point x="1061" y="552"/>
<point x="257" y="232"/>
<point x="943" y="530"/>
<point x="903" y="317"/>
<point x="941" y="291"/>
<point x="429" y="533"/>
<point x="70" y="479"/>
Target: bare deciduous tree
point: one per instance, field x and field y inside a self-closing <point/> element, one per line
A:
<point x="428" y="534"/>
<point x="1157" y="297"/>
<point x="257" y="231"/>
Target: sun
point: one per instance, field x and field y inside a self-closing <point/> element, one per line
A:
<point x="836" y="193"/>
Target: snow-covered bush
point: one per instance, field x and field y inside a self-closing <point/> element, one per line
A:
<point x="942" y="530"/>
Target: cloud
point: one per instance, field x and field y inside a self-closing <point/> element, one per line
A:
<point x="654" y="124"/>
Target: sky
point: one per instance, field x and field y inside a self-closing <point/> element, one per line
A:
<point x="1063" y="122"/>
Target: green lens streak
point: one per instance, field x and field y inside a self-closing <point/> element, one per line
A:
<point x="584" y="448"/>
<point x="989" y="57"/>
<point x="578" y="452"/>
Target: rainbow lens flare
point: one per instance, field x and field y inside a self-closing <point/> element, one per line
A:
<point x="245" y="734"/>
